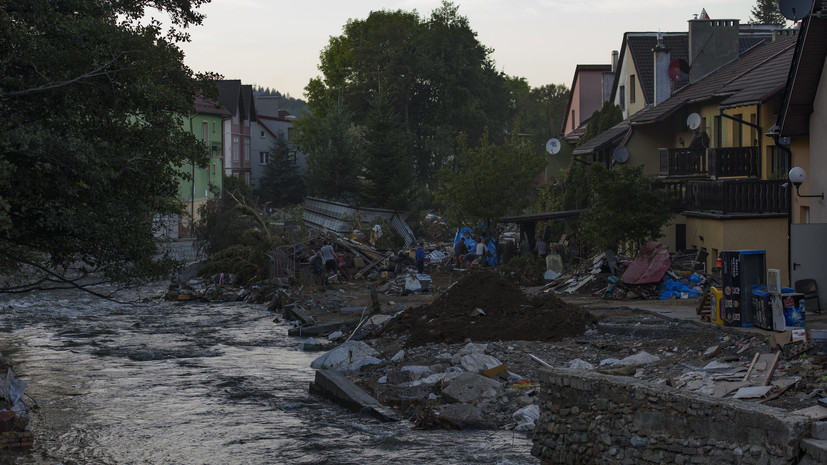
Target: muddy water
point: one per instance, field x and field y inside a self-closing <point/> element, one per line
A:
<point x="197" y="384"/>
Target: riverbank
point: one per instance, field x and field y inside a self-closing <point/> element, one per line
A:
<point x="458" y="330"/>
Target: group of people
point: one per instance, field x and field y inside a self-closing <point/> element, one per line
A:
<point x="463" y="257"/>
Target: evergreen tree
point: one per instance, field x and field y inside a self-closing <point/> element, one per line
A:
<point x="387" y="168"/>
<point x="281" y="185"/>
<point x="767" y="12"/>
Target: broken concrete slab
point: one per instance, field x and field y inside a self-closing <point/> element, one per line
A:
<point x="347" y="357"/>
<point x="463" y="416"/>
<point x="335" y="386"/>
<point x="478" y="362"/>
<point x="468" y="387"/>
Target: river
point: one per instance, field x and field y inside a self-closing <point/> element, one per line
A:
<point x="217" y="383"/>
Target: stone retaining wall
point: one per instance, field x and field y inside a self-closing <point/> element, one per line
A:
<point x="592" y="418"/>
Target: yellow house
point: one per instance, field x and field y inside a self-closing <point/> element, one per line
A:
<point x="706" y="138"/>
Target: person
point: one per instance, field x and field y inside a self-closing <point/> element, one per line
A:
<point x="541" y="248"/>
<point x="472" y="254"/>
<point x="459" y="253"/>
<point x="483" y="252"/>
<point x="525" y="249"/>
<point x="329" y="258"/>
<point x="420" y="258"/>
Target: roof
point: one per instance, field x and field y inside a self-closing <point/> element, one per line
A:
<point x="640" y="45"/>
<point x="753" y="77"/>
<point x="209" y="107"/>
<point x="606" y="138"/>
<point x="541" y="216"/>
<point x="805" y="74"/>
<point x="229" y="91"/>
<point x="249" y="102"/>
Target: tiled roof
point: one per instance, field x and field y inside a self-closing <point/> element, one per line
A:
<point x="209" y="107"/>
<point x="752" y="77"/>
<point x="640" y="45"/>
<point x="604" y="139"/>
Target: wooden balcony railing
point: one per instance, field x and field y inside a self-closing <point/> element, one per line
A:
<point x="730" y="196"/>
<point x="734" y="161"/>
<point x="717" y="162"/>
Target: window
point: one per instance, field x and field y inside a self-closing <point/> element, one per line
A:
<point x="622" y="93"/>
<point x="235" y="119"/>
<point x="738" y="130"/>
<point x="262" y="134"/>
<point x="631" y="88"/>
<point x="236" y="150"/>
<point x="205" y="130"/>
<point x="247" y="153"/>
<point x="289" y="134"/>
<point x="291" y="157"/>
<point x="213" y="126"/>
<point x="719" y="129"/>
<point x="573" y="121"/>
<point x="263" y="158"/>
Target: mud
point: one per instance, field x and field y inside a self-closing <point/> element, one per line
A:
<point x="485" y="307"/>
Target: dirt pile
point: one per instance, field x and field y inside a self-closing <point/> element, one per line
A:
<point x="485" y="307"/>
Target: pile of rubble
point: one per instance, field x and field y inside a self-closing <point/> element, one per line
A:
<point x="653" y="274"/>
<point x="14" y="416"/>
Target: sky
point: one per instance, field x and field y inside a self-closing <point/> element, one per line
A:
<point x="276" y="44"/>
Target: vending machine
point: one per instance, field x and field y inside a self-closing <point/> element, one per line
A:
<point x="741" y="270"/>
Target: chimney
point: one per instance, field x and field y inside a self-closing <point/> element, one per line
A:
<point x="663" y="85"/>
<point x="614" y="61"/>
<point x="712" y="44"/>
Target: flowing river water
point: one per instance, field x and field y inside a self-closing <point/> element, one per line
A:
<point x="218" y="383"/>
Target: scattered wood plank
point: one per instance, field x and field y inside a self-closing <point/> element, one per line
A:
<point x="371" y="265"/>
<point x="761" y="369"/>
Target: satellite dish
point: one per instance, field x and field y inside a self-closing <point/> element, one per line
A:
<point x="693" y="122"/>
<point x="553" y="146"/>
<point x="678" y="70"/>
<point x="621" y="154"/>
<point x="795" y="10"/>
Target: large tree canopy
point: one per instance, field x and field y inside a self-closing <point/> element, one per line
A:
<point x="92" y="98"/>
<point x="768" y="12"/>
<point x="429" y="79"/>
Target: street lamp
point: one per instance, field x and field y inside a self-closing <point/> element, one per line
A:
<point x="797" y="176"/>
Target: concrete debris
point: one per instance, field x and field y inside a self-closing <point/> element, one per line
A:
<point x="349" y="356"/>
<point x="526" y="417"/>
<point x="470" y="387"/>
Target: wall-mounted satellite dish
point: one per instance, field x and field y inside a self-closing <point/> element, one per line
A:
<point x="693" y="122"/>
<point x="795" y="10"/>
<point x="553" y="146"/>
<point x="678" y="70"/>
<point x="621" y="154"/>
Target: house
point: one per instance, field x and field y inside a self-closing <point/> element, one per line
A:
<point x="238" y="100"/>
<point x="706" y="141"/>
<point x="801" y="124"/>
<point x="589" y="89"/>
<point x="270" y="122"/>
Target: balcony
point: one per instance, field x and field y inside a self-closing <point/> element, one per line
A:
<point x="738" y="196"/>
<point x="723" y="162"/>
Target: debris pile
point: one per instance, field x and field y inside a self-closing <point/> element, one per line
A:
<point x="484" y="306"/>
<point x="653" y="274"/>
<point x="14" y="417"/>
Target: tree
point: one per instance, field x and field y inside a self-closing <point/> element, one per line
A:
<point x="605" y="118"/>
<point x="432" y="73"/>
<point x="281" y="185"/>
<point x="91" y="138"/>
<point x="626" y="212"/>
<point x="767" y="12"/>
<point x="388" y="171"/>
<point x="333" y="144"/>
<point x="488" y="182"/>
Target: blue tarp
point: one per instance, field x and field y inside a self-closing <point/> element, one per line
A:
<point x="472" y="244"/>
<point x="671" y="289"/>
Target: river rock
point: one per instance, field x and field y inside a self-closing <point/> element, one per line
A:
<point x="418" y="371"/>
<point x="398" y="357"/>
<point x="349" y="356"/>
<point x="579" y="364"/>
<point x="468" y="387"/>
<point x="463" y="416"/>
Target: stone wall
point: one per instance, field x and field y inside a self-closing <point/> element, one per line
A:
<point x="592" y="418"/>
